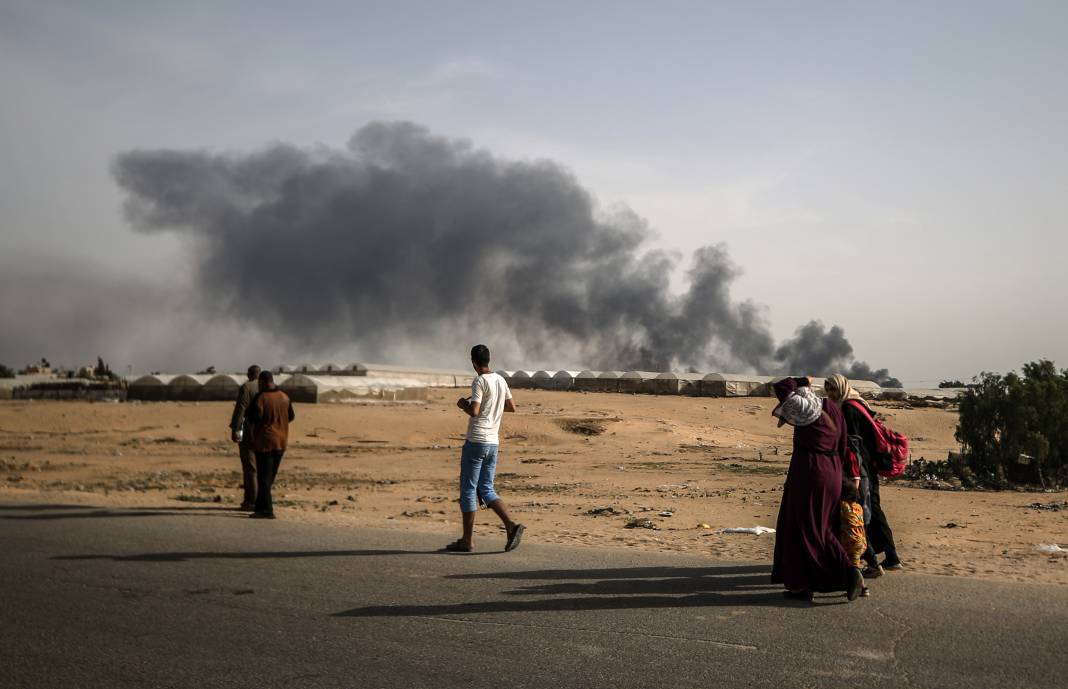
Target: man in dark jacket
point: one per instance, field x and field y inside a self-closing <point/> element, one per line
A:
<point x="241" y="433"/>
<point x="270" y="413"/>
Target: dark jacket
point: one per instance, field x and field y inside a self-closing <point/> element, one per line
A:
<point x="860" y="427"/>
<point x="245" y="395"/>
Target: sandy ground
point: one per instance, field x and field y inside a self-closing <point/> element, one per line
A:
<point x="574" y="468"/>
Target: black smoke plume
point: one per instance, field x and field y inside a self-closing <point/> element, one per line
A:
<point x="408" y="236"/>
<point x="814" y="348"/>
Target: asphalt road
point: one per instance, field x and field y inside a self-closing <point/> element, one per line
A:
<point x="202" y="597"/>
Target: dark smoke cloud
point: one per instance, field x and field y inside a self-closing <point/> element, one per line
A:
<point x="816" y="349"/>
<point x="410" y="237"/>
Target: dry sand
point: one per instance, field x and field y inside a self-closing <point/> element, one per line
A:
<point x="574" y="468"/>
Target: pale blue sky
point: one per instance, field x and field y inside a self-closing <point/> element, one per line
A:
<point x="908" y="160"/>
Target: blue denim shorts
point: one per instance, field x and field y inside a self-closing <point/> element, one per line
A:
<point x="478" y="464"/>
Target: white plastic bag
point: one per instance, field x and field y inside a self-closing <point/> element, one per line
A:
<point x="1050" y="549"/>
<point x="754" y="530"/>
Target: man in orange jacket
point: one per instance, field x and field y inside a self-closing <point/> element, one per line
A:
<point x="270" y="414"/>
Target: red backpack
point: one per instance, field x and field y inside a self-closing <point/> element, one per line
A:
<point x="891" y="447"/>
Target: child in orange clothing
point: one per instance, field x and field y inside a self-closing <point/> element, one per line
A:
<point x="851" y="526"/>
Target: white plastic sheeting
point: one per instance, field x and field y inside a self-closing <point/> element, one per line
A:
<point x="735" y="385"/>
<point x="637" y="381"/>
<point x="671" y="383"/>
<point x="313" y="389"/>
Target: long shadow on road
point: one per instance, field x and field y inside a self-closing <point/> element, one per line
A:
<point x="614" y="589"/>
<point x="267" y="555"/>
<point x="545" y="590"/>
<point x="55" y="512"/>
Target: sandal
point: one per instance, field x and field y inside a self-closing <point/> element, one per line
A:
<point x="458" y="546"/>
<point x="856" y="584"/>
<point x="514" y="537"/>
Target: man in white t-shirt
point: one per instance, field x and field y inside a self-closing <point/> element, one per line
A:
<point x="490" y="398"/>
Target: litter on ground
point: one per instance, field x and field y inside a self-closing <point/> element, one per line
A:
<point x="1050" y="549"/>
<point x="754" y="530"/>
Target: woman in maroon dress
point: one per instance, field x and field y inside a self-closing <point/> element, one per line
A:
<point x="808" y="555"/>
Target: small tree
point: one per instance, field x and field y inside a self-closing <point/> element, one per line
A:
<point x="1015" y="428"/>
<point x="6" y="372"/>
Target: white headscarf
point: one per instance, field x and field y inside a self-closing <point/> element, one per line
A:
<point x="800" y="408"/>
<point x="840" y="384"/>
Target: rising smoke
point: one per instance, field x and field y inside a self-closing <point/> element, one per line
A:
<point x="408" y="236"/>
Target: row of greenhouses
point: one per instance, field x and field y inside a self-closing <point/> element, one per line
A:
<point x="300" y="388"/>
<point x="398" y="383"/>
<point x="649" y="382"/>
<point x="433" y="377"/>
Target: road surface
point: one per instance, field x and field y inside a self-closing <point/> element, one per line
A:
<point x="203" y="597"/>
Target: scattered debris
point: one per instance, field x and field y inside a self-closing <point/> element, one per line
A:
<point x="1050" y="549"/>
<point x="703" y="525"/>
<point x="953" y="525"/>
<point x="641" y="523"/>
<point x="1055" y="506"/>
<point x="754" y="530"/>
<point x="667" y="513"/>
<point x="583" y="426"/>
<point x="418" y="513"/>
<point x="608" y="511"/>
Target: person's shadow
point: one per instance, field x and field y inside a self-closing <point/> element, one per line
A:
<point x="608" y="589"/>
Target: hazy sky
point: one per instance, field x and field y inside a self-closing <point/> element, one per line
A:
<point x="899" y="170"/>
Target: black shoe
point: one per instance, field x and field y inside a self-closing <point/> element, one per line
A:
<point x="513" y="540"/>
<point x="872" y="572"/>
<point x="856" y="583"/>
<point x="247" y="507"/>
<point x="262" y="515"/>
<point x="804" y="595"/>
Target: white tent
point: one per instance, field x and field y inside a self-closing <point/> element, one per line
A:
<point x="608" y="381"/>
<point x="433" y="377"/>
<point x="222" y="387"/>
<point x="866" y="387"/>
<point x="186" y="387"/>
<point x="735" y="385"/>
<point x="671" y="383"/>
<point x="314" y="389"/>
<point x="637" y="381"/>
<point x="586" y="380"/>
<point x="564" y="380"/>
<point x="150" y="388"/>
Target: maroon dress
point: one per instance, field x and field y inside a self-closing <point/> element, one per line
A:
<point x="808" y="554"/>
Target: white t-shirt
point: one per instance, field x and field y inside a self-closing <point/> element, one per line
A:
<point x="491" y="391"/>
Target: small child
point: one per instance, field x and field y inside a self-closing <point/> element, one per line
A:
<point x="851" y="526"/>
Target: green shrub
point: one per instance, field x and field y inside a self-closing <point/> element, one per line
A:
<point x="1014" y="428"/>
<point x="6" y="372"/>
